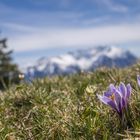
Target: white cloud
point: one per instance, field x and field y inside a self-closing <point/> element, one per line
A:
<point x="114" y="6"/>
<point x="18" y="27"/>
<point x="39" y="17"/>
<point x="34" y="36"/>
<point x="95" y="21"/>
<point x="44" y="38"/>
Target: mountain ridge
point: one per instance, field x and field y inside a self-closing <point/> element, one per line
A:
<point x="81" y="60"/>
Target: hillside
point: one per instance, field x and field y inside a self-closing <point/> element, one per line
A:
<point x="67" y="108"/>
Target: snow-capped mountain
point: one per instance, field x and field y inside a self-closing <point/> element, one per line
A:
<point x="81" y="60"/>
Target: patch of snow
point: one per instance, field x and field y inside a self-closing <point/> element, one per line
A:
<point x="114" y="52"/>
<point x="83" y="60"/>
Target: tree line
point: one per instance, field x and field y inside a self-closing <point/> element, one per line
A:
<point x="8" y="70"/>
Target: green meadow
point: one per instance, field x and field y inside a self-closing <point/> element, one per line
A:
<point x="67" y="108"/>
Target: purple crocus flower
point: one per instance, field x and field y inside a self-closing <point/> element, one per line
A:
<point x="117" y="97"/>
<point x="138" y="80"/>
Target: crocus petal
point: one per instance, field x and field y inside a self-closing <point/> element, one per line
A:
<point x="138" y="79"/>
<point x="108" y="101"/>
<point x="107" y="93"/>
<point x="110" y="91"/>
<point x="129" y="90"/>
<point x="120" y="109"/>
<point x="112" y="88"/>
<point x="122" y="89"/>
<point x="114" y="91"/>
<point x="118" y="95"/>
<point x="123" y="103"/>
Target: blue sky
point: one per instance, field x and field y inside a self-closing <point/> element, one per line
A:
<point x="37" y="28"/>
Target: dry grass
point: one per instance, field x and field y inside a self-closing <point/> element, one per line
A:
<point x="67" y="108"/>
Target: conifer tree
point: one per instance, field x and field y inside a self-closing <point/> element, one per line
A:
<point x="8" y="70"/>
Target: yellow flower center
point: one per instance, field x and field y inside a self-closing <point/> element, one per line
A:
<point x="112" y="97"/>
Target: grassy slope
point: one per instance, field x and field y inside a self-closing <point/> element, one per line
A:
<point x="63" y="108"/>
